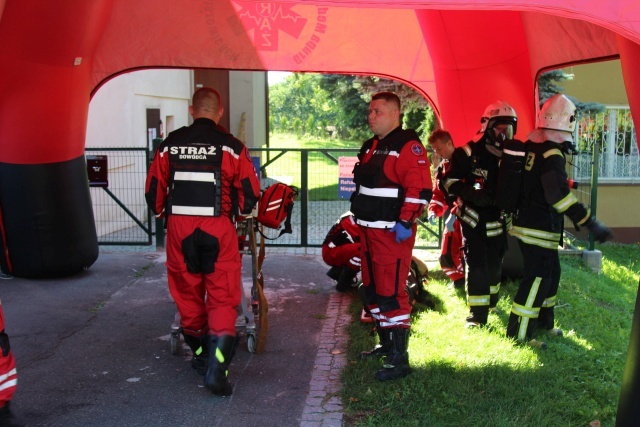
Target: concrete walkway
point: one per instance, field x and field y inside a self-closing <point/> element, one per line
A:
<point x="93" y="349"/>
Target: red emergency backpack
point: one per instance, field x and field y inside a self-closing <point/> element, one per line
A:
<point x="275" y="207"/>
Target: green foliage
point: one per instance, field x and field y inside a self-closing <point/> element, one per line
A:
<point x="310" y="125"/>
<point x="351" y="112"/>
<point x="466" y="377"/>
<point x="547" y="87"/>
<point x="297" y="97"/>
<point x="547" y="84"/>
<point x="340" y="102"/>
<point x="323" y="182"/>
<point x="296" y="126"/>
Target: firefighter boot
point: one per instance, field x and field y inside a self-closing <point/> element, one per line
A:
<point x="199" y="347"/>
<point x="221" y="351"/>
<point x="6" y="417"/>
<point x="334" y="273"/>
<point x="546" y="320"/>
<point x="396" y="365"/>
<point x="381" y="350"/>
<point x="346" y="279"/>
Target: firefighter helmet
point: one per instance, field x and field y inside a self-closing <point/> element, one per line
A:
<point x="558" y="113"/>
<point x="499" y="113"/>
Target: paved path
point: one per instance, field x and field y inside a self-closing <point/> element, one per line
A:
<point x="93" y="350"/>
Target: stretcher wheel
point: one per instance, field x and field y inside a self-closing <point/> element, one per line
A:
<point x="176" y="346"/>
<point x="252" y="343"/>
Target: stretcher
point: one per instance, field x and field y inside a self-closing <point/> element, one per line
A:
<point x="252" y="321"/>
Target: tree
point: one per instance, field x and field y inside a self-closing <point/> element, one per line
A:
<point x="418" y="113"/>
<point x="350" y="115"/>
<point x="547" y="87"/>
<point x="341" y="102"/>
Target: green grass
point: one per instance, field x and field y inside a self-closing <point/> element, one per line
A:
<point x="480" y="378"/>
<point x="323" y="171"/>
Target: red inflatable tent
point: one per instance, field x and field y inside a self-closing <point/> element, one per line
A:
<point x="460" y="54"/>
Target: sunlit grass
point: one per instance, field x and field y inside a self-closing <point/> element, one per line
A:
<point x="481" y="378"/>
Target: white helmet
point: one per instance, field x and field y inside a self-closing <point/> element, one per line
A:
<point x="558" y="113"/>
<point x="499" y="113"/>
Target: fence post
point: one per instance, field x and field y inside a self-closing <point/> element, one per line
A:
<point x="304" y="198"/>
<point x="594" y="187"/>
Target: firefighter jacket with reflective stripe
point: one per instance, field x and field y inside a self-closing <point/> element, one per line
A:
<point x="473" y="178"/>
<point x="202" y="170"/>
<point x="440" y="202"/>
<point x="393" y="180"/>
<point x="343" y="232"/>
<point x="546" y="197"/>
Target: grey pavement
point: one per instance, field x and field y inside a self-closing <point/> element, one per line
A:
<point x="93" y="349"/>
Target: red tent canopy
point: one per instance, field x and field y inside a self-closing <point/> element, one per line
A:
<point x="461" y="55"/>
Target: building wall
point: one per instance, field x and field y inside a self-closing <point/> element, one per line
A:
<point x="247" y="94"/>
<point x="117" y="112"/>
<point x="617" y="203"/>
<point x="118" y="118"/>
<point x="597" y="82"/>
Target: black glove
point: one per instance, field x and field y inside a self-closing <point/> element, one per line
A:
<point x="600" y="232"/>
<point x="4" y="344"/>
<point x="480" y="198"/>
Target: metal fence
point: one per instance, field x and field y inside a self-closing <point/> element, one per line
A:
<point x="319" y="205"/>
<point x="120" y="211"/>
<point x="618" y="158"/>
<point x="122" y="216"/>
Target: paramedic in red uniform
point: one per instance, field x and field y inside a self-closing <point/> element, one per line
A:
<point x="473" y="178"/>
<point x="8" y="376"/>
<point x="341" y="250"/>
<point x="538" y="226"/>
<point x="200" y="179"/>
<point x="441" y="205"/>
<point x="393" y="186"/>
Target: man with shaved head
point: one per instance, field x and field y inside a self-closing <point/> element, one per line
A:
<point x="393" y="186"/>
<point x="200" y="179"/>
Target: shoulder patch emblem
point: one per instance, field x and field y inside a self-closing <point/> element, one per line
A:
<point x="417" y="149"/>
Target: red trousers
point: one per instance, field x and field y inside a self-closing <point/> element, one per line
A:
<point x="451" y="256"/>
<point x="204" y="272"/>
<point x="8" y="373"/>
<point x="343" y="255"/>
<point x="385" y="267"/>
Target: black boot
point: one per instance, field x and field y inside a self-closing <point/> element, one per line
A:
<point x="199" y="349"/>
<point x="334" y="273"/>
<point x="346" y="280"/>
<point x="6" y="417"/>
<point x="221" y="351"/>
<point x="396" y="365"/>
<point x="381" y="350"/>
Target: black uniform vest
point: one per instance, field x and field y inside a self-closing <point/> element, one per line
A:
<point x="371" y="180"/>
<point x="195" y="159"/>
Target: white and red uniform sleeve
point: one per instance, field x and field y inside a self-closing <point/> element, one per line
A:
<point x="412" y="170"/>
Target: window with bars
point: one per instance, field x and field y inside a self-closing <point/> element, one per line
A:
<point x="613" y="130"/>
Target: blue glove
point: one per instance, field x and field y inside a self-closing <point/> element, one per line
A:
<point x="450" y="222"/>
<point x="402" y="232"/>
<point x="432" y="219"/>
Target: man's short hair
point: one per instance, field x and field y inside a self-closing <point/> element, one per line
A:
<point x="206" y="99"/>
<point x="440" y="134"/>
<point x="389" y="97"/>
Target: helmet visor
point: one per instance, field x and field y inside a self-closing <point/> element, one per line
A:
<point x="504" y="131"/>
<point x="502" y="127"/>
